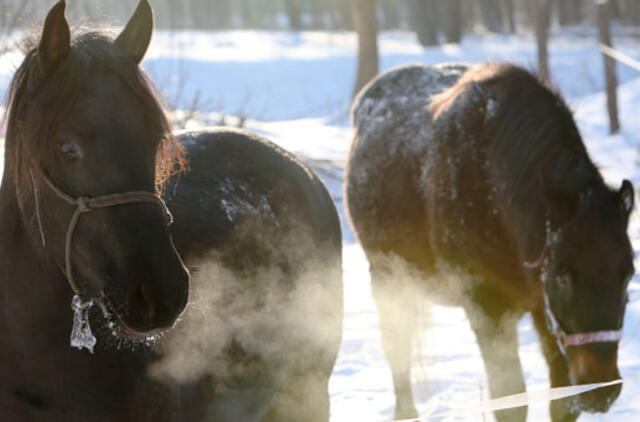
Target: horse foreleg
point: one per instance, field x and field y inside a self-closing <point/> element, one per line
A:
<point x="303" y="397"/>
<point x="497" y="338"/>
<point x="396" y="305"/>
<point x="561" y="410"/>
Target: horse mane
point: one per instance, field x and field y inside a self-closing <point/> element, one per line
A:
<point x="90" y="50"/>
<point x="532" y="129"/>
<point x="538" y="160"/>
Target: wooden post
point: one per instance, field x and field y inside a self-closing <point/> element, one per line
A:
<point x="366" y="24"/>
<point x="541" y="10"/>
<point x="609" y="66"/>
<point x="423" y="19"/>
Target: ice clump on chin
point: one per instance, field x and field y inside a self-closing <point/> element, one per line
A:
<point x="81" y="335"/>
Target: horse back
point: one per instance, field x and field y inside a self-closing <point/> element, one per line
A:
<point x="242" y="188"/>
<point x="393" y="129"/>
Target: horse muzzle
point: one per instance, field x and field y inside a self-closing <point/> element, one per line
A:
<point x="155" y="293"/>
<point x="595" y="363"/>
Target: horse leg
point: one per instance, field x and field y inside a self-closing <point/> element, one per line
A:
<point x="561" y="410"/>
<point x="497" y="337"/>
<point x="396" y="305"/>
<point x="303" y="397"/>
<point x="247" y="404"/>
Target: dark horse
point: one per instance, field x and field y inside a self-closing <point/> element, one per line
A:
<point x="87" y="146"/>
<point x="473" y="185"/>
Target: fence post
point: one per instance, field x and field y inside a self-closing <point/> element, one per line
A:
<point x="542" y="15"/>
<point x="609" y="66"/>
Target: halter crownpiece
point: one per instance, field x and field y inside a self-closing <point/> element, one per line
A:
<point x="85" y="205"/>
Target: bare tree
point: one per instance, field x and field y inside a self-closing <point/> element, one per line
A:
<point x="609" y="66"/>
<point x="222" y="13"/>
<point x="491" y="14"/>
<point x="451" y="15"/>
<point x="508" y="16"/>
<point x="292" y="8"/>
<point x="629" y="11"/>
<point x="390" y="14"/>
<point x="569" y="11"/>
<point x="423" y="20"/>
<point x="11" y="15"/>
<point x="341" y="14"/>
<point x="542" y="12"/>
<point x="365" y="22"/>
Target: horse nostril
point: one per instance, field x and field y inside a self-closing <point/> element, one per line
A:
<point x="143" y="303"/>
<point x="158" y="297"/>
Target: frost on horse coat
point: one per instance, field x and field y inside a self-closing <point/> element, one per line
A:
<point x="256" y="228"/>
<point x="471" y="185"/>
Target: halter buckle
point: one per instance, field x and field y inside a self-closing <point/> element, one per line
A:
<point x="84" y="204"/>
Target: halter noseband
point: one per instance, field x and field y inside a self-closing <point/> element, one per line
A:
<point x="563" y="339"/>
<point x="85" y="205"/>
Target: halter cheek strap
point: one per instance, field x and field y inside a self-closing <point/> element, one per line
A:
<point x="563" y="339"/>
<point x="85" y="205"/>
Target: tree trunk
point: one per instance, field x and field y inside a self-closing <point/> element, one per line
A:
<point x="390" y="13"/>
<point x="364" y="20"/>
<point x="341" y="15"/>
<point x="294" y="13"/>
<point x="423" y="21"/>
<point x="249" y="14"/>
<point x="629" y="11"/>
<point x="563" y="11"/>
<point x="609" y="66"/>
<point x="491" y="15"/>
<point x="541" y="10"/>
<point x="451" y="15"/>
<point x="174" y="10"/>
<point x="317" y="14"/>
<point x="508" y="16"/>
<point x="222" y="14"/>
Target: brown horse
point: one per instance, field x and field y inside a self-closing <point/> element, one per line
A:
<point x="472" y="185"/>
<point x="87" y="148"/>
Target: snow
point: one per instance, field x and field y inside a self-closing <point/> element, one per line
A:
<point x="295" y="88"/>
<point x="81" y="335"/>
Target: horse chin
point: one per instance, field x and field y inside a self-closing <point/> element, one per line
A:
<point x="601" y="400"/>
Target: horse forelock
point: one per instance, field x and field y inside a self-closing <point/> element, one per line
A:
<point x="35" y="104"/>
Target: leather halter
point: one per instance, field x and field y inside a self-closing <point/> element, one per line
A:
<point x="564" y="339"/>
<point x="85" y="205"/>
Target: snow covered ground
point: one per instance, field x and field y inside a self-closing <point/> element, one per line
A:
<point x="295" y="89"/>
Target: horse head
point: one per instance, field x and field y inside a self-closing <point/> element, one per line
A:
<point x="90" y="146"/>
<point x="588" y="262"/>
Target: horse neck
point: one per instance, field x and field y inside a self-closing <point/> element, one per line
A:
<point x="527" y="211"/>
<point x="28" y="280"/>
<point x="531" y="229"/>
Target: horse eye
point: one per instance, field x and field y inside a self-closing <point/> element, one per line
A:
<point x="73" y="151"/>
<point x="563" y="280"/>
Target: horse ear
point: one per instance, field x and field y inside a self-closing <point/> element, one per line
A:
<point x="626" y="197"/>
<point x="136" y="35"/>
<point x="55" y="42"/>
